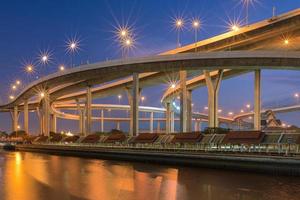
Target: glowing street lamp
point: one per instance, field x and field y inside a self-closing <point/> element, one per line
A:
<point x="173" y="85"/>
<point x="14" y="87"/>
<point x="61" y="68"/>
<point x="18" y="82"/>
<point x="205" y="108"/>
<point x="248" y="106"/>
<point x="123" y="33"/>
<point x="219" y="111"/>
<point x="128" y="42"/>
<point x="230" y="113"/>
<point x="11" y="97"/>
<point x="242" y="111"/>
<point x="44" y="58"/>
<point x="286" y="41"/>
<point x="29" y="68"/>
<point x="42" y="94"/>
<point x="235" y="27"/>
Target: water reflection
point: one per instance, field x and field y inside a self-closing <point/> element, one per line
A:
<point x="30" y="176"/>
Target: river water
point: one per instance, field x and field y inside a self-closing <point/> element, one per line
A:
<point x="33" y="176"/>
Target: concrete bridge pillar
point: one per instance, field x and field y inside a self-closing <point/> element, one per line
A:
<point x="189" y="111"/>
<point x="151" y="122"/>
<point x="53" y="123"/>
<point x="133" y="99"/>
<point x="257" y="98"/>
<point x="118" y="126"/>
<point x="172" y="122"/>
<point x="41" y="121"/>
<point x="102" y="121"/>
<point x="15" y="118"/>
<point x="81" y="121"/>
<point x="135" y="104"/>
<point x="26" y="117"/>
<point x="168" y="118"/>
<point x="46" y="114"/>
<point x="213" y="87"/>
<point x="88" y="110"/>
<point x="183" y="101"/>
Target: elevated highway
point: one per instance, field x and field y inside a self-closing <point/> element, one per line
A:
<point x="91" y="81"/>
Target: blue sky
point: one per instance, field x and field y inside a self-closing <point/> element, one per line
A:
<point x="31" y="26"/>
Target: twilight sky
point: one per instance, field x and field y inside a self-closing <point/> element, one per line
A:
<point x="33" y="26"/>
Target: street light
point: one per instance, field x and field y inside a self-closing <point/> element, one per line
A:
<point x="242" y="111"/>
<point x="230" y="113"/>
<point x="61" y="68"/>
<point x="296" y="95"/>
<point x="143" y="99"/>
<point x="286" y="41"/>
<point x="173" y="85"/>
<point x="247" y="3"/>
<point x="44" y="58"/>
<point x="196" y="26"/>
<point x="179" y="23"/>
<point x="18" y="82"/>
<point x="11" y="97"/>
<point x="72" y="47"/>
<point x="14" y="87"/>
<point x="29" y="68"/>
<point x="248" y="106"/>
<point x="42" y="94"/>
<point x="119" y="97"/>
<point x="235" y="27"/>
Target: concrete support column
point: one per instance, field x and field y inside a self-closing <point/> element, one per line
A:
<point x="151" y="122"/>
<point x="118" y="125"/>
<point x="196" y="128"/>
<point x="53" y="123"/>
<point x="88" y="110"/>
<point x="172" y="122"/>
<point x="213" y="87"/>
<point x="168" y="118"/>
<point x="46" y="114"/>
<point x="81" y="121"/>
<point x="15" y="118"/>
<point x="41" y="120"/>
<point x="257" y="98"/>
<point x="189" y="112"/>
<point x="102" y="121"/>
<point x="26" y="117"/>
<point x="129" y="96"/>
<point x="183" y="101"/>
<point x="135" y="104"/>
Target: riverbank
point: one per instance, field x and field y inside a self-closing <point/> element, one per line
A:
<point x="280" y="165"/>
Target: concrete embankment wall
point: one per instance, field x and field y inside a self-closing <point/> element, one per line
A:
<point x="252" y="163"/>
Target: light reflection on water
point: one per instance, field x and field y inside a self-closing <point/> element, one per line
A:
<point x="31" y="176"/>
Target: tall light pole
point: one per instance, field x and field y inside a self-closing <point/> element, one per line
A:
<point x="143" y="99"/>
<point x="247" y="3"/>
<point x="72" y="47"/>
<point x="179" y="23"/>
<point x="119" y="97"/>
<point x="296" y="95"/>
<point x="196" y="26"/>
